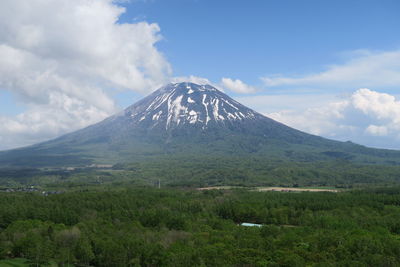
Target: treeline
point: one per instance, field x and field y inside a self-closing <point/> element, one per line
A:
<point x="213" y="171"/>
<point x="150" y="227"/>
<point x="253" y="171"/>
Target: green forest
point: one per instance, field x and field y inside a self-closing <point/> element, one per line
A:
<point x="210" y="171"/>
<point x="142" y="226"/>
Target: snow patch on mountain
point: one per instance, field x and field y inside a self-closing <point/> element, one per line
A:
<point x="188" y="103"/>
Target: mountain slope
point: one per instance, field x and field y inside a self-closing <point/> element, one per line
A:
<point x="188" y="120"/>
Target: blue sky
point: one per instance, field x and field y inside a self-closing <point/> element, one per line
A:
<point x="251" y="39"/>
<point x="330" y="68"/>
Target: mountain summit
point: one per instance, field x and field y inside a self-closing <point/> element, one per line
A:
<point x="188" y="104"/>
<point x="186" y="120"/>
<point x="184" y="110"/>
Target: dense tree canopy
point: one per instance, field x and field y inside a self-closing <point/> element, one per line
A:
<point x="150" y="227"/>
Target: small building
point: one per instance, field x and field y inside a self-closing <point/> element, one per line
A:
<point x="251" y="224"/>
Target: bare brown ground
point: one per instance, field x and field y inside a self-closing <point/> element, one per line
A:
<point x="277" y="189"/>
<point x="216" y="188"/>
<point x="292" y="189"/>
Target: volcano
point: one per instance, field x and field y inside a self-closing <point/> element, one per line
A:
<point x="185" y="120"/>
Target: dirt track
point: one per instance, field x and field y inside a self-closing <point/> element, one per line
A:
<point x="293" y="189"/>
<point x="278" y="189"/>
<point x="216" y="188"/>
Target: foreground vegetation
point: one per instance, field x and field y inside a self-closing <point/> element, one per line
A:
<point x="152" y="227"/>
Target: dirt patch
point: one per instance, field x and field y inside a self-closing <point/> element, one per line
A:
<point x="273" y="188"/>
<point x="216" y="188"/>
<point x="294" y="189"/>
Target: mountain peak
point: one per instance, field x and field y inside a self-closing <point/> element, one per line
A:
<point x="189" y="87"/>
<point x="187" y="104"/>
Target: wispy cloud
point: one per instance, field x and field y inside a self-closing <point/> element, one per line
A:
<point x="363" y="69"/>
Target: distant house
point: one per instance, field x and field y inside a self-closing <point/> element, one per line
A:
<point x="101" y="166"/>
<point x="251" y="224"/>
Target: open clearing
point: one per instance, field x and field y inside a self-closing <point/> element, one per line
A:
<point x="295" y="189"/>
<point x="218" y="188"/>
<point x="277" y="189"/>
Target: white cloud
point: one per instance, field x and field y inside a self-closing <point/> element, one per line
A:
<point x="366" y="117"/>
<point x="377" y="130"/>
<point x="237" y="86"/>
<point x="44" y="122"/>
<point x="61" y="58"/>
<point x="364" y="69"/>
